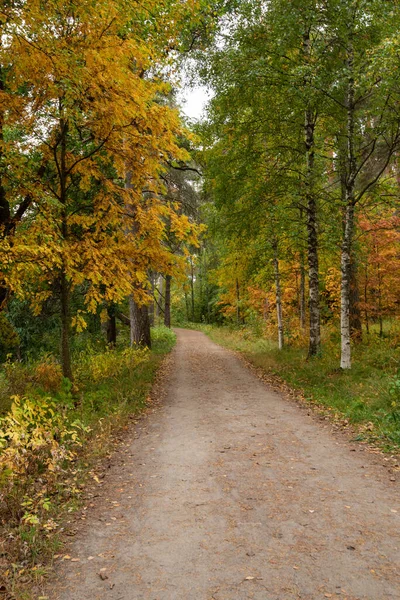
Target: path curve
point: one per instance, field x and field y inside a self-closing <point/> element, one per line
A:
<point x="229" y="492"/>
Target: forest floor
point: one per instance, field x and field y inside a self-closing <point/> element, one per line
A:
<point x="228" y="490"/>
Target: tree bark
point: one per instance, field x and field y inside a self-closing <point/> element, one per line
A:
<point x="111" y="326"/>
<point x="140" y="324"/>
<point x="312" y="231"/>
<point x="312" y="241"/>
<point x="348" y="228"/>
<point x="151" y="307"/>
<point x="278" y="298"/>
<point x="65" y="326"/>
<point x="192" y="288"/>
<point x="302" y="293"/>
<point x="65" y="285"/>
<point x="237" y="302"/>
<point x="167" y="309"/>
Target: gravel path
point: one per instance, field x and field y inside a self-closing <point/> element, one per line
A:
<point x="227" y="491"/>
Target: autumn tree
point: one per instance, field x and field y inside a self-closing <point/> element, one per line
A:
<point x="93" y="114"/>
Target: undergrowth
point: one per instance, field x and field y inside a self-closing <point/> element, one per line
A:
<point x="50" y="438"/>
<point x="368" y="395"/>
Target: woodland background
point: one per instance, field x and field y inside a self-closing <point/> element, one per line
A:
<point x="272" y="224"/>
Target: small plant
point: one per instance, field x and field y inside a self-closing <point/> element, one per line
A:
<point x="394" y="391"/>
<point x="48" y="374"/>
<point x="36" y="439"/>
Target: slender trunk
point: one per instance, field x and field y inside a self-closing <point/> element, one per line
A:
<point x="187" y="306"/>
<point x="111" y="326"/>
<point x="366" y="299"/>
<point x="380" y="302"/>
<point x="160" y="292"/>
<point x="278" y="298"/>
<point x="355" y="313"/>
<point x="312" y="232"/>
<point x="312" y="241"/>
<point x="302" y="293"/>
<point x="140" y="324"/>
<point x="348" y="230"/>
<point x="192" y="288"/>
<point x="167" y="310"/>
<point x="65" y="285"/>
<point x="237" y="302"/>
<point x="345" y="360"/>
<point x="5" y="214"/>
<point x="151" y="305"/>
<point x="65" y="326"/>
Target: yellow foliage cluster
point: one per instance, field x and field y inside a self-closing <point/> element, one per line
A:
<point x="102" y="366"/>
<point x="35" y="437"/>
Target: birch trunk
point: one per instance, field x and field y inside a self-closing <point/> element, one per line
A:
<point x="348" y="228"/>
<point x="237" y="302"/>
<point x="311" y="208"/>
<point x="302" y="293"/>
<point x="192" y="288"/>
<point x="167" y="307"/>
<point x="312" y="240"/>
<point x="278" y="298"/>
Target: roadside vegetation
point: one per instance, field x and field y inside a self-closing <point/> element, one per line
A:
<point x="51" y="437"/>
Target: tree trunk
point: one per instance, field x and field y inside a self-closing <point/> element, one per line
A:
<point x="65" y="326"/>
<point x="302" y="293"/>
<point x="111" y="326"/>
<point x="348" y="229"/>
<point x="237" y="302"/>
<point x="65" y="285"/>
<point x="159" y="290"/>
<point x="151" y="305"/>
<point x="167" y="310"/>
<point x="140" y="324"/>
<point x="187" y="306"/>
<point x="311" y="209"/>
<point x="278" y="298"/>
<point x="192" y="288"/>
<point x="366" y="299"/>
<point x="312" y="241"/>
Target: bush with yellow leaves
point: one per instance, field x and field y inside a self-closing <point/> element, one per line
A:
<point x="98" y="367"/>
<point x="37" y="441"/>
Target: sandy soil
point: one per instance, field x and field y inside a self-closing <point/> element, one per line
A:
<point x="228" y="491"/>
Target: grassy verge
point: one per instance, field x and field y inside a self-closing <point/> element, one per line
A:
<point x="367" y="396"/>
<point x="50" y="443"/>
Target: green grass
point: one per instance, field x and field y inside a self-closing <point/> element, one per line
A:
<point x="368" y="395"/>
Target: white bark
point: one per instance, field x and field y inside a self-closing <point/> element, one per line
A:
<point x="278" y="299"/>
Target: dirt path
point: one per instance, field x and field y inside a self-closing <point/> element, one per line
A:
<point x="229" y="492"/>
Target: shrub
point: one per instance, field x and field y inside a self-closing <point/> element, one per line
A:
<point x="36" y="442"/>
<point x="48" y="374"/>
<point x="109" y="364"/>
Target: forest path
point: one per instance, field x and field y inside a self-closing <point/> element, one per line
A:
<point x="227" y="491"/>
